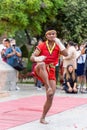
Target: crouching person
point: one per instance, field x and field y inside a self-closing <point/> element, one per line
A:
<point x="70" y="80"/>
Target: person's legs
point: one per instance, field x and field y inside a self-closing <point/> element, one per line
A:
<point x="48" y="102"/>
<point x="41" y="72"/>
<point x="86" y="76"/>
<point x="67" y="90"/>
<point x="50" y="86"/>
<point x="57" y="73"/>
<point x="75" y="90"/>
<point x="39" y="84"/>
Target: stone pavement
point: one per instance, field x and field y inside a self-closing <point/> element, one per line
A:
<point x="73" y="119"/>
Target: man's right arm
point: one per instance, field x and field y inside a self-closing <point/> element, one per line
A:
<point x="35" y="56"/>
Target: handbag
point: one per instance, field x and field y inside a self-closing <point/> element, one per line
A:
<point x="18" y="64"/>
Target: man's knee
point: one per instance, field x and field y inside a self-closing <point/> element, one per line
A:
<point x="41" y="66"/>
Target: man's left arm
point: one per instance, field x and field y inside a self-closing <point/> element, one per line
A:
<point x="18" y="52"/>
<point x="61" y="46"/>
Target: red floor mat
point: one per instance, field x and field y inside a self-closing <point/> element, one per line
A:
<point x="25" y="110"/>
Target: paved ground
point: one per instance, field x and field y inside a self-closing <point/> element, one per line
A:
<point x="73" y="119"/>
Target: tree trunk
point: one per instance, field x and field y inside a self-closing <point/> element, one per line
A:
<point x="28" y="37"/>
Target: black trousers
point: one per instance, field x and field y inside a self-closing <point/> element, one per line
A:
<point x="86" y="75"/>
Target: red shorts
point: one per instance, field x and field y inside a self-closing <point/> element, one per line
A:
<point x="51" y="74"/>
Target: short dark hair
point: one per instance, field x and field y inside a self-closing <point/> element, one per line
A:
<point x="7" y="40"/>
<point x="71" y="43"/>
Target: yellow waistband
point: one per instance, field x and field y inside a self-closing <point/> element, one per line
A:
<point x="51" y="65"/>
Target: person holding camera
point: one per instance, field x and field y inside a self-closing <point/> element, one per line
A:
<point x="12" y="51"/>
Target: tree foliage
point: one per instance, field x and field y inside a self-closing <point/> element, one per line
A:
<point x="32" y="17"/>
<point x="75" y="20"/>
<point x="71" y="20"/>
<point x="18" y="15"/>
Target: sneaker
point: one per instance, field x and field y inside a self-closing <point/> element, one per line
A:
<point x="83" y="91"/>
<point x="39" y="88"/>
<point x="17" y="88"/>
<point x="79" y="86"/>
<point x="84" y="86"/>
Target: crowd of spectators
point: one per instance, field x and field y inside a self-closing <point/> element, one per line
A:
<point x="77" y="58"/>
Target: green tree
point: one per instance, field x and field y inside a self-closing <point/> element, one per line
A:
<point x="74" y="24"/>
<point x="28" y="15"/>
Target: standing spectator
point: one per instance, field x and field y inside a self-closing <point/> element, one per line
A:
<point x="85" y="68"/>
<point x="61" y="70"/>
<point x="70" y="80"/>
<point x="11" y="52"/>
<point x="39" y="84"/>
<point x="65" y="60"/>
<point x="46" y="55"/>
<point x="2" y="49"/>
<point x="57" y="72"/>
<point x="72" y="55"/>
<point x="80" y="70"/>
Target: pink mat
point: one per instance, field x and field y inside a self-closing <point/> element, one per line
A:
<point x="25" y="110"/>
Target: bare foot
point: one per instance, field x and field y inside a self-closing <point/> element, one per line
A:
<point x="43" y="121"/>
<point x="49" y="91"/>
